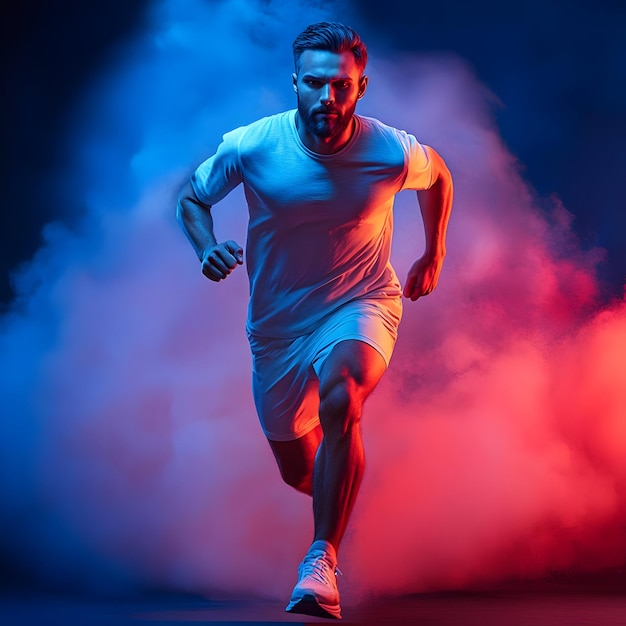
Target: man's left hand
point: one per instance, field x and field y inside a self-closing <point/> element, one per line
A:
<point x="422" y="277"/>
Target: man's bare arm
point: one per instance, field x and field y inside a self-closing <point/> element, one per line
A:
<point x="218" y="259"/>
<point x="435" y="206"/>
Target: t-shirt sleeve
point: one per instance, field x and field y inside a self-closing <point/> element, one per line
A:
<point x="419" y="173"/>
<point x="216" y="177"/>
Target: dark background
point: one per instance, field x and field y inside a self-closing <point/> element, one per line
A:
<point x="557" y="67"/>
<point x="559" y="70"/>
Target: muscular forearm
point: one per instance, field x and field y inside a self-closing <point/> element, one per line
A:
<point x="436" y="205"/>
<point x="196" y="221"/>
<point x="218" y="260"/>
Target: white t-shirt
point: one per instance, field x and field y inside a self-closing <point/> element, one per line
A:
<point x="320" y="226"/>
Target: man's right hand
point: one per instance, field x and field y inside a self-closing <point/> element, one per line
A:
<point x="221" y="259"/>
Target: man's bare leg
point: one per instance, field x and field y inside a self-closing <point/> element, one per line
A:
<point x="348" y="376"/>
<point x="328" y="462"/>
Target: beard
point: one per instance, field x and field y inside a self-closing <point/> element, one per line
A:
<point x="323" y="126"/>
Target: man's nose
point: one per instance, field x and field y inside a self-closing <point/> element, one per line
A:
<point x="328" y="94"/>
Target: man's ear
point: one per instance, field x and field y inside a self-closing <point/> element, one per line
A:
<point x="294" y="78"/>
<point x="363" y="86"/>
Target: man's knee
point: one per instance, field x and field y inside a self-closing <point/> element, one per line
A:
<point x="296" y="458"/>
<point x="340" y="406"/>
<point x="299" y="480"/>
<point x="349" y="375"/>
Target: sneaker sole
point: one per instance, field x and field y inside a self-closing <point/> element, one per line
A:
<point x="309" y="606"/>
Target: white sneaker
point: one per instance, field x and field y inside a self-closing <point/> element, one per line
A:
<point x="316" y="593"/>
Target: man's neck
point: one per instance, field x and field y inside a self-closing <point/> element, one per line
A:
<point x="324" y="145"/>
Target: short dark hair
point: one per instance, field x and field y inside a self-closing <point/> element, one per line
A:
<point x="331" y="36"/>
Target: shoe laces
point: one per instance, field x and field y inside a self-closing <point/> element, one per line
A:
<point x="318" y="567"/>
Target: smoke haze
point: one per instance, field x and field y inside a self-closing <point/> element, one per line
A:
<point x="130" y="450"/>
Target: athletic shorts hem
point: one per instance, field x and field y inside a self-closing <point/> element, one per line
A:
<point x="319" y="362"/>
<point x="282" y="437"/>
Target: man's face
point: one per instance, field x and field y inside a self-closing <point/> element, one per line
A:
<point x="328" y="85"/>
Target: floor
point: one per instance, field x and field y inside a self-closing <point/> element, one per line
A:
<point x="598" y="604"/>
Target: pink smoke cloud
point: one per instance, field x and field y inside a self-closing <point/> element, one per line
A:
<point x="131" y="452"/>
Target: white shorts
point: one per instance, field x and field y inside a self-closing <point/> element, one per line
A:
<point x="285" y="372"/>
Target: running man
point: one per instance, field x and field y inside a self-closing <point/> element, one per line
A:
<point x="325" y="303"/>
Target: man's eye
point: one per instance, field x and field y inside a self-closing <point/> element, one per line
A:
<point x="313" y="83"/>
